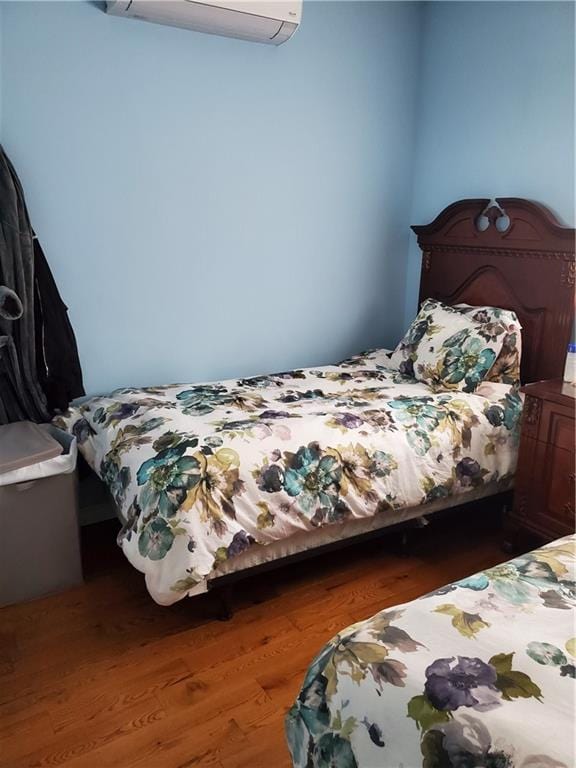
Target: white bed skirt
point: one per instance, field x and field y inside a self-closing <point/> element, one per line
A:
<point x="259" y="554"/>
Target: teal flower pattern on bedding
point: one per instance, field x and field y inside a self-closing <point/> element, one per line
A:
<point x="458" y="347"/>
<point x="482" y="680"/>
<point x="202" y="472"/>
<point x="499" y="322"/>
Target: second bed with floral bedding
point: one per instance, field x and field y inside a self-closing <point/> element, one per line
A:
<point x="479" y="674"/>
<point x="202" y="473"/>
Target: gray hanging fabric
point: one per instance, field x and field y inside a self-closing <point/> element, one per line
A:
<point x="10" y="305"/>
<point x="40" y="369"/>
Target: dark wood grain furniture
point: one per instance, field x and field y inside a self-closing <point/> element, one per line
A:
<point x="544" y="495"/>
<point x="513" y="254"/>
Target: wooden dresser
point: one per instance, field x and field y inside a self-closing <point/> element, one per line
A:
<point x="545" y="489"/>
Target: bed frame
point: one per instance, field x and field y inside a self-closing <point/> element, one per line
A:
<point x="510" y="253"/>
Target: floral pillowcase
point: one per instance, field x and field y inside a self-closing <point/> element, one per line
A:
<point x="506" y="368"/>
<point x="457" y="348"/>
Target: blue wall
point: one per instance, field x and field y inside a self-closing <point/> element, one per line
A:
<point x="496" y="109"/>
<point x="214" y="208"/>
<point x="211" y="207"/>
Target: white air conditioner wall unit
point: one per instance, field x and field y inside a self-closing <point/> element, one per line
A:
<point x="261" y="21"/>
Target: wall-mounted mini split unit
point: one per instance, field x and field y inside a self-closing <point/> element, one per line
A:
<point x="262" y="21"/>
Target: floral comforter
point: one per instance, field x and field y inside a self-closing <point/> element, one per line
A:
<point x="201" y="472"/>
<point x="479" y="674"/>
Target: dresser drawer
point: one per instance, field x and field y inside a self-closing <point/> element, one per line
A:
<point x="544" y="496"/>
<point x="557" y="426"/>
<point x="545" y="478"/>
<point x="558" y="483"/>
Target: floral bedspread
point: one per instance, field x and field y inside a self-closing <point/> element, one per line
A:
<point x="479" y="674"/>
<point x="201" y="472"/>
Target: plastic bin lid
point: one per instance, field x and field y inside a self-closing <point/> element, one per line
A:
<point x="24" y="443"/>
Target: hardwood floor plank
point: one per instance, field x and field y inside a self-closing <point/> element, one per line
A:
<point x="102" y="677"/>
<point x="103" y="700"/>
<point x="178" y="741"/>
<point x="203" y="697"/>
<point x="23" y="733"/>
<point x="277" y="654"/>
<point x="203" y="645"/>
<point x="84" y="739"/>
<point x="257" y="750"/>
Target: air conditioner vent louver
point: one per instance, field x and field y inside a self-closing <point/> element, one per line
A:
<point x="262" y="21"/>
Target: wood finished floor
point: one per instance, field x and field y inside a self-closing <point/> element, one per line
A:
<point x="100" y="676"/>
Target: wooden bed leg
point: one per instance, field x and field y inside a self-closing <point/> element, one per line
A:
<point x="512" y="539"/>
<point x="405" y="544"/>
<point x="407" y="536"/>
<point x="511" y="542"/>
<point x="512" y="533"/>
<point x="225" y="610"/>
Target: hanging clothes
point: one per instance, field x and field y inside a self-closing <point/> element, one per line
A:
<point x="57" y="359"/>
<point x="39" y="365"/>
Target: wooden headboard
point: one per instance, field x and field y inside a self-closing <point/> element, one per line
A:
<point x="512" y="254"/>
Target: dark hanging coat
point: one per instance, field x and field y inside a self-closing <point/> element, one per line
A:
<point x="39" y="366"/>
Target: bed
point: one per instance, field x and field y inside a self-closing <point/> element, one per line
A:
<point x="479" y="673"/>
<point x="216" y="480"/>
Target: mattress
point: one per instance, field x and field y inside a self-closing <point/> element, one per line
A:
<point x="202" y="473"/>
<point x="477" y="674"/>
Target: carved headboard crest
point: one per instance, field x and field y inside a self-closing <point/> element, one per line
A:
<point x="511" y="253"/>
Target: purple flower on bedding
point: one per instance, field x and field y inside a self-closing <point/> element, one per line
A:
<point x="123" y="411"/>
<point x="467" y="682"/>
<point x="350" y="420"/>
<point x="271" y="479"/>
<point x="293" y="396"/>
<point x="115" y="413"/>
<point x="568" y="670"/>
<point x="469" y="473"/>
<point x="82" y="430"/>
<point x="467" y="742"/>
<point x="495" y="415"/>
<point x="406" y="368"/>
<point x="270" y="414"/>
<point x="240" y="543"/>
<point x="481" y="316"/>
